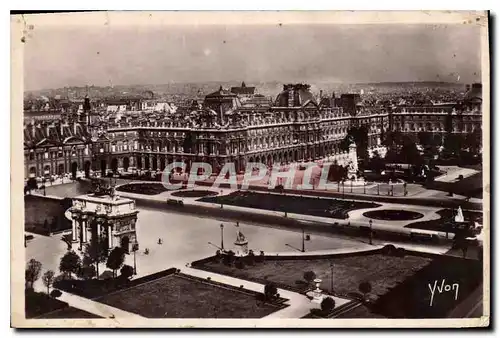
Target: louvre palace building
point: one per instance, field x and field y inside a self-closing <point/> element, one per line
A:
<point x="235" y="125"/>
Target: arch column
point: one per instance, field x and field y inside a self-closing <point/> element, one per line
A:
<point x="110" y="235"/>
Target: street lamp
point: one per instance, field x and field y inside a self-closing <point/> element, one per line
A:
<point x="222" y="236"/>
<point x="331" y="280"/>
<point x="135" y="247"/>
<point x="303" y="241"/>
<point x="221" y="206"/>
<point x="371" y="231"/>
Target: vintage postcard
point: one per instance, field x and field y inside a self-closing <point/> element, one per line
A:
<point x="250" y="169"/>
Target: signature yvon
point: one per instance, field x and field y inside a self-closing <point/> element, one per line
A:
<point x="443" y="288"/>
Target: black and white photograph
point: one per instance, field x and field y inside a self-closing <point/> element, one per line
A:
<point x="250" y="169"/>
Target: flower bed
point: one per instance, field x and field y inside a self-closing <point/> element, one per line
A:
<point x="393" y="215"/>
<point x="143" y="188"/>
<point x="194" y="193"/>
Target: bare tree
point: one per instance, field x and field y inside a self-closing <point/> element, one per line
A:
<point x="48" y="279"/>
<point x="32" y="272"/>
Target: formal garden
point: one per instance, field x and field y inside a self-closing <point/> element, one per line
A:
<point x="44" y="216"/>
<point x="314" y="206"/>
<point x="447" y="223"/>
<point x="382" y="280"/>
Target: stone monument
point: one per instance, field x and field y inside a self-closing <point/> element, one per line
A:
<point x="241" y="243"/>
<point x="459" y="217"/>
<point x="353" y="161"/>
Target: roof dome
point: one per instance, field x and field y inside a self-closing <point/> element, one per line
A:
<point x="295" y="95"/>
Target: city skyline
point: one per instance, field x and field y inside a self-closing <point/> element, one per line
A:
<point x="79" y="56"/>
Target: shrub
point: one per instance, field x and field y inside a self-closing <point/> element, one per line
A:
<point x="126" y="271"/>
<point x="327" y="305"/>
<point x="365" y="288"/>
<point x="55" y="293"/>
<point x="239" y="264"/>
<point x="270" y="291"/>
<point x="388" y="250"/>
<point x="309" y="276"/>
<point x="400" y="252"/>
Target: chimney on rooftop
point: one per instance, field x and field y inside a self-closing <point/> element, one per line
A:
<point x="467" y="87"/>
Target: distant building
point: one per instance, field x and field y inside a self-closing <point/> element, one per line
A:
<point x="243" y="91"/>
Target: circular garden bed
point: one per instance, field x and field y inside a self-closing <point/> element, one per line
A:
<point x="143" y="188"/>
<point x="194" y="193"/>
<point x="393" y="215"/>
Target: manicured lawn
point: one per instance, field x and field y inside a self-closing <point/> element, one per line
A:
<point x="45" y="215"/>
<point x="383" y="272"/>
<point x="323" y="207"/>
<point x="39" y="303"/>
<point x="445" y="222"/>
<point x="143" y="188"/>
<point x="69" y="312"/>
<point x="181" y="296"/>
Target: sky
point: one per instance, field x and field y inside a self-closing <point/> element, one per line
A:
<point x="77" y="56"/>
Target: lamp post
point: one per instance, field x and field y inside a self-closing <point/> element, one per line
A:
<point x="364" y="188"/>
<point x="331" y="279"/>
<point x="378" y="189"/>
<point x="221" y="206"/>
<point x="343" y="189"/>
<point x="351" y="185"/>
<point x="303" y="241"/>
<point x="222" y="236"/>
<point x="371" y="231"/>
<point x="135" y="247"/>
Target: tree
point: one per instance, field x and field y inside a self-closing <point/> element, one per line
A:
<point x="365" y="288"/>
<point x="127" y="271"/>
<point x="270" y="291"/>
<point x="48" y="279"/>
<point x="392" y="139"/>
<point x="70" y="263"/>
<point x="309" y="276"/>
<point x="32" y="272"/>
<point x="327" y="305"/>
<point x="453" y="144"/>
<point x="376" y="162"/>
<point x="116" y="259"/>
<point x="31" y="184"/>
<point x="473" y="140"/>
<point x="96" y="252"/>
